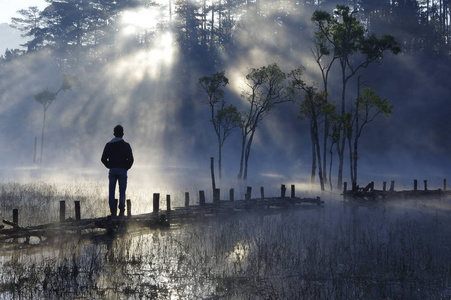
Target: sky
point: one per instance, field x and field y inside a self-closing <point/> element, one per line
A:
<point x="8" y="8"/>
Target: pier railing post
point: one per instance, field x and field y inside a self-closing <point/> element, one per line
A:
<point x="216" y="195"/>
<point x="425" y="185"/>
<point x="201" y="198"/>
<point x="168" y="203"/>
<point x="186" y="199"/>
<point x="444" y="184"/>
<point x="129" y="208"/>
<point x="77" y="211"/>
<point x="262" y="193"/>
<point x="62" y="211"/>
<point x="156" y="202"/>
<point x="392" y="186"/>
<point x="293" y="191"/>
<point x="415" y="185"/>
<point x="248" y="193"/>
<point x="232" y="195"/>
<point x="16" y="216"/>
<point x="283" y="190"/>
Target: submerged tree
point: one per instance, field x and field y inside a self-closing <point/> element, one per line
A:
<point x="317" y="110"/>
<point x="367" y="107"/>
<point x="224" y="118"/>
<point x="343" y="35"/>
<point x="267" y="88"/>
<point x="47" y="97"/>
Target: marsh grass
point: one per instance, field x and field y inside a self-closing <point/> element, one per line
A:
<point x="398" y="250"/>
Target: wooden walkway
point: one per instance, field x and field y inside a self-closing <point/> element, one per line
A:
<point x="369" y="193"/>
<point x="13" y="236"/>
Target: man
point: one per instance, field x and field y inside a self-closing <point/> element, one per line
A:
<point x="118" y="157"/>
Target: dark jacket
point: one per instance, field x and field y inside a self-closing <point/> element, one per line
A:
<point x="117" y="154"/>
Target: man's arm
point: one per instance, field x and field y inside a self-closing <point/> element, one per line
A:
<point x="130" y="158"/>
<point x="105" y="157"/>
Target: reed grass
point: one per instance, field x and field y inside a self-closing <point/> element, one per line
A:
<point x="398" y="250"/>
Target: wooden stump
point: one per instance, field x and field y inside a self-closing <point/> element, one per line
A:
<point x="156" y="202"/>
<point x="62" y="211"/>
<point x="201" y="198"/>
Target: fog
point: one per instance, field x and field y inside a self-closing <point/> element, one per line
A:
<point x="167" y="123"/>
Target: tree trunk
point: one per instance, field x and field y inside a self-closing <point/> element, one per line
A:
<point x="219" y="158"/>
<point x="341" y="147"/>
<point x="248" y="151"/>
<point x="243" y="144"/>
<point x="330" y="167"/>
<point x="326" y="135"/>
<point x="212" y="169"/>
<point x="42" y="135"/>
<point x="313" y="175"/>
<point x="320" y="169"/>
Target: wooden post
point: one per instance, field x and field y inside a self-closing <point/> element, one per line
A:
<point x="392" y="186"/>
<point x="201" y="198"/>
<point x="248" y="193"/>
<point x="186" y="199"/>
<point x="77" y="211"/>
<point x="168" y="203"/>
<point x="425" y="185"/>
<point x="293" y="191"/>
<point x="129" y="208"/>
<point x="444" y="184"/>
<point x="415" y="185"/>
<point x="283" y="189"/>
<point x="262" y="193"/>
<point x="156" y="202"/>
<point x="62" y="211"/>
<point x="345" y="190"/>
<point x="16" y="216"/>
<point x="216" y="195"/>
<point x="384" y="186"/>
<point x="232" y="195"/>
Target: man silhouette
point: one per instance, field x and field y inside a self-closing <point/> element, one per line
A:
<point x="118" y="157"/>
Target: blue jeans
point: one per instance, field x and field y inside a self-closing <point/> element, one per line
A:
<point x="117" y="175"/>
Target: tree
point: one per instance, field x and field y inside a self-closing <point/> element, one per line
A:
<point x="224" y="118"/>
<point x="316" y="109"/>
<point x="47" y="97"/>
<point x="367" y="107"/>
<point x="31" y="26"/>
<point x="344" y="36"/>
<point x="267" y="88"/>
<point x="320" y="51"/>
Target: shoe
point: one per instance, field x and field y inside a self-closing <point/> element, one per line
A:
<point x="113" y="212"/>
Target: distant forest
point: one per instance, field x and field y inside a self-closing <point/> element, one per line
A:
<point x="76" y="30"/>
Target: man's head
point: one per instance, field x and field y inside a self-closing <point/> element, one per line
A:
<point x="118" y="131"/>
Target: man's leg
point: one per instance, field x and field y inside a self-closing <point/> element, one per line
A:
<point x="112" y="191"/>
<point x="122" y="178"/>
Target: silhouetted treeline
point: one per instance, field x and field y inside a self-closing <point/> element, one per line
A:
<point x="74" y="29"/>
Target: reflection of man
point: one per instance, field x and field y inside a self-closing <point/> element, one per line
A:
<point x="118" y="157"/>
